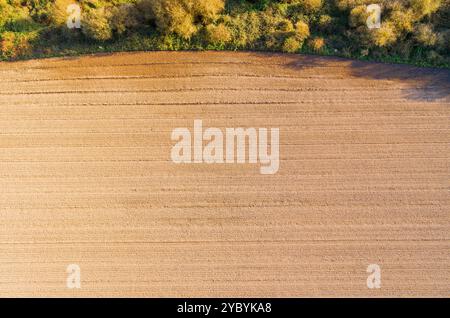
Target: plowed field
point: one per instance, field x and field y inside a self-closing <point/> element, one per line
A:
<point x="86" y="177"/>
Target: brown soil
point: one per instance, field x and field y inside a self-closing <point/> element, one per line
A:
<point x="86" y="177"/>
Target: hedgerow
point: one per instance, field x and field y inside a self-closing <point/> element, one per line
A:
<point x="412" y="31"/>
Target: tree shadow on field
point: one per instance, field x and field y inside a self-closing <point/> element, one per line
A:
<point x="421" y="83"/>
<point x="427" y="84"/>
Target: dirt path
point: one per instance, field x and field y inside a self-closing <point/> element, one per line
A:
<point x="86" y="177"/>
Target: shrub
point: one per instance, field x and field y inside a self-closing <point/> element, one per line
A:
<point x="425" y="35"/>
<point x="402" y="20"/>
<point x="346" y="5"/>
<point x="358" y="16"/>
<point x="245" y="29"/>
<point x="425" y="7"/>
<point x="384" y="36"/>
<point x="7" y="45"/>
<point x="15" y="17"/>
<point x="123" y="18"/>
<point x="276" y="30"/>
<point x="218" y="34"/>
<point x="95" y="24"/>
<point x="311" y="5"/>
<point x="183" y="17"/>
<point x="301" y="31"/>
<point x="281" y="32"/>
<point x="317" y="44"/>
<point x="207" y="11"/>
<point x="291" y="45"/>
<point x="171" y="16"/>
<point x="5" y="11"/>
<point x="324" y="23"/>
<point x="41" y="10"/>
<point x="14" y="45"/>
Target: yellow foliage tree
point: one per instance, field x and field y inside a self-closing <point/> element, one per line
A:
<point x="218" y="34"/>
<point x="183" y="17"/>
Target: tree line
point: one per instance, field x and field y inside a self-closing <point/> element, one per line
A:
<point x="414" y="31"/>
